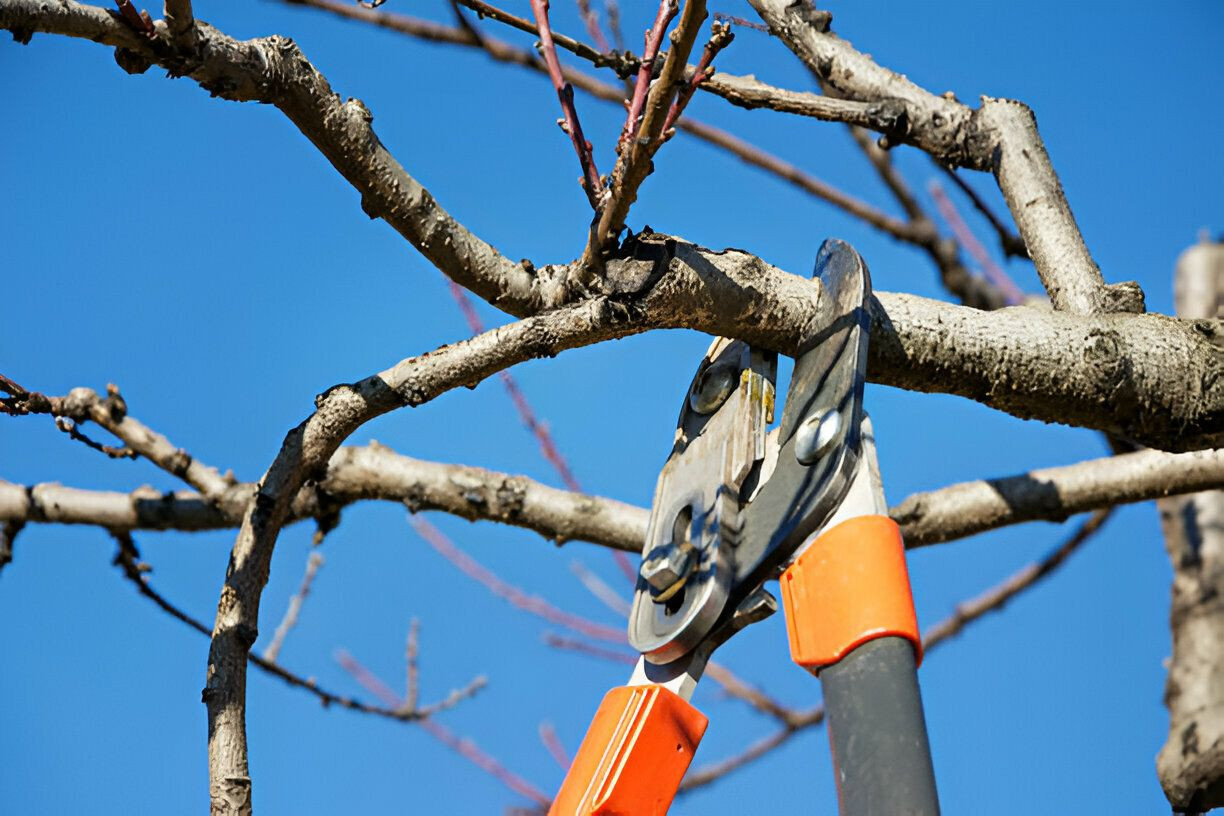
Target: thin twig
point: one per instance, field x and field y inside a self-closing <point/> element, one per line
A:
<point x="516" y="597"/>
<point x="462" y="745"/>
<point x="596" y="586"/>
<point x="591" y="182"/>
<point x="591" y="19"/>
<point x="128" y="560"/>
<point x="569" y="644"/>
<point x="412" y="653"/>
<point x="552" y="743"/>
<point x="313" y="562"/>
<point x="972" y="245"/>
<point x="613" y="11"/>
<point x="654" y="39"/>
<point x="1010" y="242"/>
<point x="114" y="452"/>
<point x="720" y="38"/>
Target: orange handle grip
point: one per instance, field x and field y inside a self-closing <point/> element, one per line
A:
<point x="850" y="586"/>
<point x="634" y="755"/>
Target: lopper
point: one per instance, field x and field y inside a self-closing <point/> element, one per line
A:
<point x="737" y="505"/>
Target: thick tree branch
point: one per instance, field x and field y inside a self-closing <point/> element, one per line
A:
<point x="1053" y="494"/>
<point x="1191" y="763"/>
<point x="1000" y="137"/>
<point x="304" y="455"/>
<point x="274" y="71"/>
<point x="739" y="89"/>
<point x="374" y="472"/>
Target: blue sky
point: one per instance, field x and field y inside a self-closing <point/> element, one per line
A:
<point x="206" y="258"/>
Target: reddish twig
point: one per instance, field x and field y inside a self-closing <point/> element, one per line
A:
<point x="295" y="608"/>
<point x="613" y="12"/>
<point x="591" y="182"/>
<point x="472" y="752"/>
<point x="740" y="21"/>
<point x="400" y="705"/>
<point x="972" y="245"/>
<point x="654" y="38"/>
<point x="516" y="597"/>
<point x="1011" y="243"/>
<point x="720" y="38"/>
<point x="412" y="653"/>
<point x="552" y="743"/>
<point x="596" y="586"/>
<point x="591" y="19"/>
<point x="589" y="649"/>
<point x="462" y="745"/>
<point x="538" y="429"/>
<point x="138" y="21"/>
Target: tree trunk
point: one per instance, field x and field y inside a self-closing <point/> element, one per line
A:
<point x="1191" y="763"/>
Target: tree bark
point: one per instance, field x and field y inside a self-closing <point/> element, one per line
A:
<point x="1191" y="763"/>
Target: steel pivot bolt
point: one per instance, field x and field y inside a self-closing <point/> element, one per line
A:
<point x="666" y="573"/>
<point x="713" y="386"/>
<point x="816" y="435"/>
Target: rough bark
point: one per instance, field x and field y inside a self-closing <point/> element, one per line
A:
<point x="1191" y="763"/>
<point x="374" y="472"/>
<point x="1000" y="137"/>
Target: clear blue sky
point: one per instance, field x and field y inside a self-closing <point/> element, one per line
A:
<point x="206" y="258"/>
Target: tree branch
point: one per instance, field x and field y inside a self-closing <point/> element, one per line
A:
<point x="375" y="472"/>
<point x="738" y="89"/>
<point x="110" y="412"/>
<point x="274" y="71"/>
<point x="1054" y="494"/>
<point x="1190" y="765"/>
<point x="1000" y="137"/>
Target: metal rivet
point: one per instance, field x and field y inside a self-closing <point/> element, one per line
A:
<point x="713" y="387"/>
<point x="815" y="435"/>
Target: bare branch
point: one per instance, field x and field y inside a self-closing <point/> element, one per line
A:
<point x="1053" y="494"/>
<point x="1001" y="137"/>
<point x="738" y="89"/>
<point x="591" y="182"/>
<point x="180" y="23"/>
<point x="273" y="70"/>
<point x="84" y="404"/>
<point x="374" y="472"/>
<point x="1190" y="765"/>
<point x="313" y="562"/>
<point x="969" y="241"/>
<point x="127" y="558"/>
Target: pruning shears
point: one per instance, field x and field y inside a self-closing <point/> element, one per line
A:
<point x="737" y="505"/>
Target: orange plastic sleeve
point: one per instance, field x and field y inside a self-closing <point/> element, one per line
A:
<point x="850" y="586"/>
<point x="633" y="756"/>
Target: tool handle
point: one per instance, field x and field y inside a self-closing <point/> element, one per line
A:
<point x="881" y="756"/>
<point x="634" y="755"/>
<point x="850" y="620"/>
